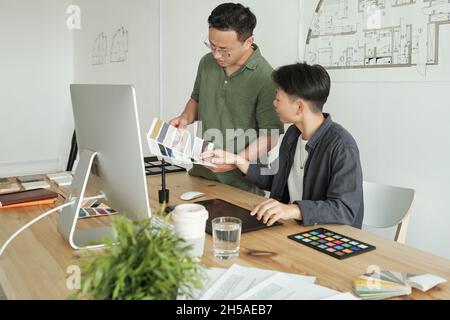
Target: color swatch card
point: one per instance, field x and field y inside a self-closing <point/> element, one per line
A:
<point x="179" y="145"/>
<point x="95" y="212"/>
<point x="31" y="178"/>
<point x="388" y="284"/>
<point x="331" y="243"/>
<point x="59" y="175"/>
<point x="35" y="185"/>
<point x="62" y="179"/>
<point x="381" y="285"/>
<point x="9" y="187"/>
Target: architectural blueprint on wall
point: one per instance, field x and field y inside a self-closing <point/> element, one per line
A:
<point x="347" y="34"/>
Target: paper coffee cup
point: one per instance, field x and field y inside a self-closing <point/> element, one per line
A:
<point x="189" y="221"/>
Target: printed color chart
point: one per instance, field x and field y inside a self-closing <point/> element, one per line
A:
<point x="167" y="141"/>
<point x="333" y="244"/>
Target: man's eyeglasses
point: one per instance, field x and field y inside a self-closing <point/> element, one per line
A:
<point x="223" y="52"/>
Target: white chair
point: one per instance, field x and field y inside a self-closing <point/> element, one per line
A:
<point x="388" y="206"/>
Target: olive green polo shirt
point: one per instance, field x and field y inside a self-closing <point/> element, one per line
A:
<point x="243" y="100"/>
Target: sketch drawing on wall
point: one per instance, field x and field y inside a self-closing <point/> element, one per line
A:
<point x="102" y="54"/>
<point x="119" y="46"/>
<point x="100" y="50"/>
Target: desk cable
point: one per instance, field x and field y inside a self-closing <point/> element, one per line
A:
<point x="102" y="196"/>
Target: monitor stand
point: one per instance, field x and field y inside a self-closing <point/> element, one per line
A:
<point x="81" y="239"/>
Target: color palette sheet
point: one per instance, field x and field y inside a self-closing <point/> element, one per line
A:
<point x="179" y="145"/>
<point x="95" y="212"/>
<point x="331" y="243"/>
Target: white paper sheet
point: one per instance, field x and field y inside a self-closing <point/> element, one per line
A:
<point x="211" y="275"/>
<point x="282" y="286"/>
<point x="237" y="280"/>
<point x="425" y="282"/>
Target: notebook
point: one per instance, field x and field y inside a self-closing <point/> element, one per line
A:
<point x="31" y="203"/>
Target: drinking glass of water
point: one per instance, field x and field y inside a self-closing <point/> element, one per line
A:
<point x="226" y="237"/>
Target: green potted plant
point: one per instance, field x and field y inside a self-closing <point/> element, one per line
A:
<point x="150" y="262"/>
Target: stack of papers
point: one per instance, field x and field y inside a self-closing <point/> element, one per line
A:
<point x="388" y="284"/>
<point x="244" y="283"/>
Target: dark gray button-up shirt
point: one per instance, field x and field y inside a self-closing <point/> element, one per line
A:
<point x="332" y="182"/>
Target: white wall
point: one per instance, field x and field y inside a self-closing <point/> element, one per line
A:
<point x="403" y="135"/>
<point x="185" y="27"/>
<point x="142" y="69"/>
<point x="35" y="71"/>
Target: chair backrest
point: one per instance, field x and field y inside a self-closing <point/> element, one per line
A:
<point x="387" y="206"/>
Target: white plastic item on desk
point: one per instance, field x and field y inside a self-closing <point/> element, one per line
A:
<point x="188" y="196"/>
<point x="190" y="223"/>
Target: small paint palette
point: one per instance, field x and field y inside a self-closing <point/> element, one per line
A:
<point x="95" y="212"/>
<point x="331" y="243"/>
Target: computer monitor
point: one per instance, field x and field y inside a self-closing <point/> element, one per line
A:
<point x="109" y="143"/>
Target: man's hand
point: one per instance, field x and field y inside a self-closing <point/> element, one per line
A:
<point x="180" y="122"/>
<point x="271" y="211"/>
<point x="221" y="168"/>
<point x="225" y="161"/>
<point x="220" y="157"/>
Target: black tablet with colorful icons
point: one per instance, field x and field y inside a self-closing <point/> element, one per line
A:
<point x="331" y="243"/>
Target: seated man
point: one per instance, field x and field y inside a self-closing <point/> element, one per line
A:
<point x="317" y="176"/>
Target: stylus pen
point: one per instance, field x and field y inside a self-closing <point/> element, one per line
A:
<point x="261" y="253"/>
<point x="163" y="193"/>
<point x="163" y="175"/>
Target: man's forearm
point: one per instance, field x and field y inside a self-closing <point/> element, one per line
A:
<point x="253" y="152"/>
<point x="258" y="148"/>
<point x="242" y="164"/>
<point x="190" y="112"/>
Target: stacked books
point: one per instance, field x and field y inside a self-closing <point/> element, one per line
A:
<point x="388" y="284"/>
<point x="27" y="198"/>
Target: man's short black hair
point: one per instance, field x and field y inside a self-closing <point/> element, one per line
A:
<point x="233" y="16"/>
<point x="301" y="80"/>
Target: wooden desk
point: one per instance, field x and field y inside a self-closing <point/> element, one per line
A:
<point x="35" y="264"/>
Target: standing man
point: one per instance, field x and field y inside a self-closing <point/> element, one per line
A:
<point x="233" y="90"/>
